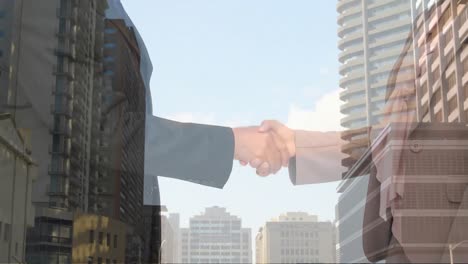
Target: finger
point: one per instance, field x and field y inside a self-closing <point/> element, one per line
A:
<point x="243" y="163"/>
<point x="282" y="148"/>
<point x="268" y="125"/>
<point x="255" y="163"/>
<point x="274" y="158"/>
<point x="264" y="169"/>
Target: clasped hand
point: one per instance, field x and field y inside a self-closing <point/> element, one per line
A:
<point x="266" y="148"/>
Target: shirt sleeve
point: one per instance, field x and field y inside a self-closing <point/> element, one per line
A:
<point x="196" y="153"/>
<point x="318" y="158"/>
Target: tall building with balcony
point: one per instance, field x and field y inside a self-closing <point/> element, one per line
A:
<point x="372" y="35"/>
<point x="73" y="79"/>
<point x="53" y="48"/>
<point x="296" y="238"/>
<point x="216" y="237"/>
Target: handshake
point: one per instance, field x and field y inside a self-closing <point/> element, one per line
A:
<point x="266" y="148"/>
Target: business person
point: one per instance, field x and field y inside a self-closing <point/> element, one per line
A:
<point x="201" y="154"/>
<point x="409" y="217"/>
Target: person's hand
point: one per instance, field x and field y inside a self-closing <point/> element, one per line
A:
<point x="281" y="134"/>
<point x="283" y="137"/>
<point x="259" y="149"/>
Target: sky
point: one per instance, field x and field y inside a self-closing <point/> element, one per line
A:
<point x="236" y="63"/>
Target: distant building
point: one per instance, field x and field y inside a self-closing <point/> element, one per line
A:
<point x="216" y="237"/>
<point x="170" y="247"/>
<point x="296" y="238"/>
<point x="17" y="172"/>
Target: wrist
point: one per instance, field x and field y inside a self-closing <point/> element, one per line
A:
<point x="292" y="144"/>
<point x="236" y="132"/>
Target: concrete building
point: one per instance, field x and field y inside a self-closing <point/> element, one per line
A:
<point x="54" y="97"/>
<point x="98" y="239"/>
<point x="90" y="158"/>
<point x="170" y="246"/>
<point x="17" y="173"/>
<point x="372" y="36"/>
<point x="50" y="241"/>
<point x="441" y="61"/>
<point x="296" y="238"/>
<point x="216" y="237"/>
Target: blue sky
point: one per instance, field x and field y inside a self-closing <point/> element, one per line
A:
<point x="237" y="62"/>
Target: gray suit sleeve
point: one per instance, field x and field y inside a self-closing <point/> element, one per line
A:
<point x="197" y="153"/>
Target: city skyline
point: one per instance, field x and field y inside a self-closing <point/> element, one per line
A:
<point x="179" y="235"/>
<point x="92" y="174"/>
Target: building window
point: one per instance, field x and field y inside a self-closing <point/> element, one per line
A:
<point x="438" y="116"/>
<point x="99" y="260"/>
<point x="110" y="30"/>
<point x="100" y="238"/>
<point x="451" y="81"/>
<point x="91" y="236"/>
<point x="110" y="45"/>
<point x="436" y="74"/>
<point x="108" y="239"/>
<point x="115" y="241"/>
<point x="108" y="261"/>
<point x="452" y="104"/>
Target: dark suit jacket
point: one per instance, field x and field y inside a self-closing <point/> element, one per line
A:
<point x="431" y="214"/>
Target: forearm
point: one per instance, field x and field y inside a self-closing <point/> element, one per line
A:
<point x="192" y="152"/>
<point x="317" y="157"/>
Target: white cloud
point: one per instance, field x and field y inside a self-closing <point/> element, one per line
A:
<point x="325" y="116"/>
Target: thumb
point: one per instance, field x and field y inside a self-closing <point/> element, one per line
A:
<point x="265" y="126"/>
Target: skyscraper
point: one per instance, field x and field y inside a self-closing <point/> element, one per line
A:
<point x="296" y="238"/>
<point x="118" y="188"/>
<point x="372" y="36"/>
<point x="432" y="62"/>
<point x="216" y="237"/>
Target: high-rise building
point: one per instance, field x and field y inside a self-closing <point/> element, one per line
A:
<point x="118" y="188"/>
<point x="216" y="236"/>
<point x="442" y="81"/>
<point x="296" y="238"/>
<point x="428" y="38"/>
<point x="372" y="36"/>
<point x="72" y="78"/>
<point x="52" y="97"/>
